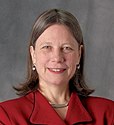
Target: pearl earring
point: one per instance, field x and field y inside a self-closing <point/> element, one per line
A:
<point x="33" y="68"/>
<point x="78" y="66"/>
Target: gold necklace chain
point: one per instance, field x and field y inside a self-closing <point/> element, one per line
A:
<point x="59" y="105"/>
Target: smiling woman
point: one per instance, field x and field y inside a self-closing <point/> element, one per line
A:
<point x="56" y="30"/>
<point x="55" y="86"/>
<point x="55" y="56"/>
<point x="67" y="22"/>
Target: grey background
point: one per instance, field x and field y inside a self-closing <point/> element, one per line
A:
<point x="96" y="18"/>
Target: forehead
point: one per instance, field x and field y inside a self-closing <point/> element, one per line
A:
<point x="56" y="32"/>
<point x="56" y="27"/>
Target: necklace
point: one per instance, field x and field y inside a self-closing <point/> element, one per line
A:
<point x="59" y="105"/>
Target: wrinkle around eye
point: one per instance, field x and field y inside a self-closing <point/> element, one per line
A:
<point x="46" y="47"/>
<point x="67" y="49"/>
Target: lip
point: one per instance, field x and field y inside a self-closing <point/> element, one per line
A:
<point x="56" y="70"/>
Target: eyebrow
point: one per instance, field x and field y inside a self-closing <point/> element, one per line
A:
<point x="49" y="43"/>
<point x="68" y="43"/>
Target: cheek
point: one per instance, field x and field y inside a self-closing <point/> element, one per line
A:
<point x="72" y="59"/>
<point x="41" y="60"/>
<point x="71" y="62"/>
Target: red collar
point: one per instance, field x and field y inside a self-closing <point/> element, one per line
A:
<point x="43" y="113"/>
<point x="76" y="112"/>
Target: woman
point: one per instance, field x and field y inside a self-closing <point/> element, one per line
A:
<point x="55" y="91"/>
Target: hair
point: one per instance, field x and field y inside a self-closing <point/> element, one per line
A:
<point x="45" y="20"/>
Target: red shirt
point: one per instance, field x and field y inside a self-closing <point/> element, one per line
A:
<point x="35" y="109"/>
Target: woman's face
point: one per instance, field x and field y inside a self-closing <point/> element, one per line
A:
<point x="56" y="55"/>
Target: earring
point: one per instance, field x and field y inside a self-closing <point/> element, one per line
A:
<point x="78" y="66"/>
<point x="33" y="68"/>
<point x="77" y="75"/>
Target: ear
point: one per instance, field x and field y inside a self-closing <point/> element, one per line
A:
<point x="33" y="55"/>
<point x="80" y="52"/>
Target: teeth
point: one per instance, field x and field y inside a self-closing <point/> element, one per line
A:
<point x="56" y="70"/>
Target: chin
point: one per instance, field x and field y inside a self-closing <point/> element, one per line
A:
<point x="58" y="82"/>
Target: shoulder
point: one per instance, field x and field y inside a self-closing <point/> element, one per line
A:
<point x="98" y="101"/>
<point x="19" y="108"/>
<point x="14" y="104"/>
<point x="99" y="108"/>
<point x="98" y="104"/>
<point x="27" y="98"/>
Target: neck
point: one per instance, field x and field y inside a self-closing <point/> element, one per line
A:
<point x="56" y="94"/>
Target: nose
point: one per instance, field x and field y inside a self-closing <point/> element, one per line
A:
<point x="57" y="56"/>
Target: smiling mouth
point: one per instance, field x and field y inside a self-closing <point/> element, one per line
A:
<point x="56" y="70"/>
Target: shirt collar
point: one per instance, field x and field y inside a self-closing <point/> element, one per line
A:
<point x="76" y="112"/>
<point x="43" y="113"/>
